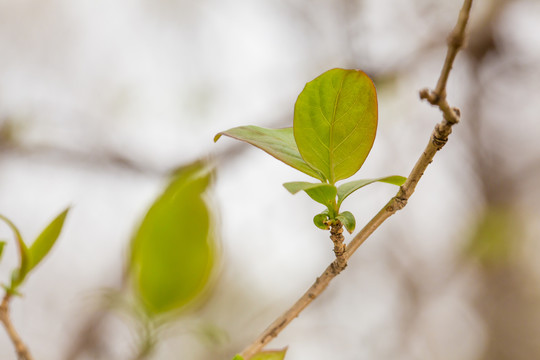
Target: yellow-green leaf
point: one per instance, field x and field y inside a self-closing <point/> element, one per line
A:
<point x="335" y="122"/>
<point x="270" y="355"/>
<point x="2" y="245"/>
<point x="348" y="220"/>
<point x="347" y="189"/>
<point x="320" y="220"/>
<point x="277" y="142"/>
<point x="20" y="272"/>
<point x="45" y="241"/>
<point x="320" y="192"/>
<point x="173" y="250"/>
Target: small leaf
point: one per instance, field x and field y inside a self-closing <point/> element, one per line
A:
<point x="277" y="142"/>
<point x="45" y="241"/>
<point x="320" y="192"/>
<point x="23" y="255"/>
<point x="347" y="189"/>
<point x="320" y="220"/>
<point x="173" y="249"/>
<point x="2" y="244"/>
<point x="238" y="357"/>
<point x="335" y="122"/>
<point x="348" y="220"/>
<point x="270" y="355"/>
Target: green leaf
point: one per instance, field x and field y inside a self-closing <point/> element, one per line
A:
<point x="320" y="220"/>
<point x="21" y="271"/>
<point x="173" y="249"/>
<point x="347" y="189"/>
<point x="277" y="142"/>
<point x="320" y="192"/>
<point x="238" y="357"/>
<point x="348" y="220"/>
<point x="335" y="122"/>
<point x="270" y="355"/>
<point x="2" y="244"/>
<point x="45" y="241"/>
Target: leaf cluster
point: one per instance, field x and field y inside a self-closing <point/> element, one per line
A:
<point x="31" y="256"/>
<point x="334" y="127"/>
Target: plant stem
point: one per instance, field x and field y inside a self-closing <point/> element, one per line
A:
<point x="336" y="235"/>
<point x="437" y="140"/>
<point x="22" y="351"/>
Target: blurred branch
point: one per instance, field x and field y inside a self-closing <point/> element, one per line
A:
<point x="22" y="351"/>
<point x="438" y="139"/>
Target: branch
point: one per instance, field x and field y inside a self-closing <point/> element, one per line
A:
<point x="438" y="139"/>
<point x="22" y="351"/>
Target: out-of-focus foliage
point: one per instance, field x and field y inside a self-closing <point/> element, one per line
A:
<point x="46" y="240"/>
<point x="494" y="237"/>
<point x="173" y="249"/>
<point x="2" y="245"/>
<point x="266" y="355"/>
<point x="31" y="257"/>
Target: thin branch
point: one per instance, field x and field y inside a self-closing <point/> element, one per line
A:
<point x="22" y="351"/>
<point x="438" y="139"/>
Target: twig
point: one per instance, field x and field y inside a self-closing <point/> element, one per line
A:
<point x="22" y="351"/>
<point x="438" y="139"/>
<point x="336" y="235"/>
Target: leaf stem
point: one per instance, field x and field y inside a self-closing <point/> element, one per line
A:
<point x="22" y="351"/>
<point x="438" y="139"/>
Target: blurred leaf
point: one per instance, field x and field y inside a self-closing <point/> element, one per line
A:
<point x="19" y="273"/>
<point x="2" y="244"/>
<point x="45" y="241"/>
<point x="495" y="236"/>
<point x="238" y="357"/>
<point x="335" y="122"/>
<point x="320" y="192"/>
<point x="320" y="220"/>
<point x="347" y="189"/>
<point x="348" y="220"/>
<point x="277" y="142"/>
<point x="173" y="252"/>
<point x="270" y="355"/>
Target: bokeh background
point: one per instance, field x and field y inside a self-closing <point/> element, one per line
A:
<point x="100" y="100"/>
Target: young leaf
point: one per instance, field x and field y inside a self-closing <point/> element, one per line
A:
<point x="270" y="355"/>
<point x="173" y="250"/>
<point x="20" y="272"/>
<point x="320" y="220"/>
<point x="320" y="192"/>
<point x="45" y="241"/>
<point x="277" y="142"/>
<point x="335" y="122"/>
<point x="238" y="357"/>
<point x="347" y="189"/>
<point x="348" y="220"/>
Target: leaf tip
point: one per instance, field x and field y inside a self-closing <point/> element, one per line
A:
<point x="218" y="135"/>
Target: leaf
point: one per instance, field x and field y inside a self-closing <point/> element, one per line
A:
<point x="348" y="220"/>
<point x="45" y="241"/>
<point x="238" y="357"/>
<point x="277" y="142"/>
<point x="173" y="249"/>
<point x="2" y="244"/>
<point x="335" y="122"/>
<point x="347" y="189"/>
<point x="21" y="271"/>
<point x="320" y="192"/>
<point x="270" y="355"/>
<point x="320" y="220"/>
